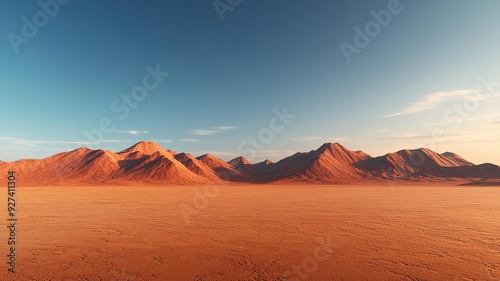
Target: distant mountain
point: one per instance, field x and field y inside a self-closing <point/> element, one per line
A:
<point x="224" y="171"/>
<point x="196" y="166"/>
<point x="264" y="165"/>
<point x="425" y="164"/>
<point x="457" y="159"/>
<point x="158" y="169"/>
<point x="239" y="162"/>
<point x="149" y="163"/>
<point x="147" y="148"/>
<point x="331" y="163"/>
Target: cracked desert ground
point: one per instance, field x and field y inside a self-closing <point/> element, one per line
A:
<point x="257" y="232"/>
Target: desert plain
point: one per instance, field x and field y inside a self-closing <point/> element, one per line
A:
<point x="256" y="232"/>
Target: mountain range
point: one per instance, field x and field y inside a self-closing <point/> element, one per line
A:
<point x="149" y="163"/>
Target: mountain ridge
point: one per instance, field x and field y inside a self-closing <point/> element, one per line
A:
<point x="149" y="163"/>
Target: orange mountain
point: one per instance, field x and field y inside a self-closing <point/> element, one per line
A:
<point x="149" y="163"/>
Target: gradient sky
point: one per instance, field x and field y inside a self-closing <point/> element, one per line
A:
<point x="227" y="76"/>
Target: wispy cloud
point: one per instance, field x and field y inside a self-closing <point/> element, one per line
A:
<point x="211" y="131"/>
<point x="132" y="132"/>
<point x="16" y="141"/>
<point x="432" y="100"/>
<point x="203" y="132"/>
<point x="224" y="128"/>
<point x="483" y="119"/>
<point x="490" y="118"/>
<point x="164" y="141"/>
<point x="190" y="140"/>
<point x="26" y="142"/>
<point x="413" y="136"/>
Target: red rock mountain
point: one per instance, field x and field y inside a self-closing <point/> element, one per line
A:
<point x="457" y="159"/>
<point x="331" y="163"/>
<point x="197" y="167"/>
<point x="149" y="163"/>
<point x="239" y="162"/>
<point x="424" y="164"/>
<point x="223" y="170"/>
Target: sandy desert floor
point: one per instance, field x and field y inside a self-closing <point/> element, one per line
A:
<point x="256" y="232"/>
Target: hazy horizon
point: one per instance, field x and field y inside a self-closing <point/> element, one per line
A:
<point x="227" y="156"/>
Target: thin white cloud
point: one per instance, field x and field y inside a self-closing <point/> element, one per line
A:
<point x="132" y="132"/>
<point x="203" y="132"/>
<point x="164" y="141"/>
<point x="224" y="128"/>
<point x="403" y="136"/>
<point x="211" y="131"/>
<point x="26" y="142"/>
<point x="483" y="119"/>
<point x="16" y="141"/>
<point x="190" y="140"/>
<point x="434" y="99"/>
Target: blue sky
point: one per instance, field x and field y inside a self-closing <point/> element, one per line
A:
<point x="417" y="83"/>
